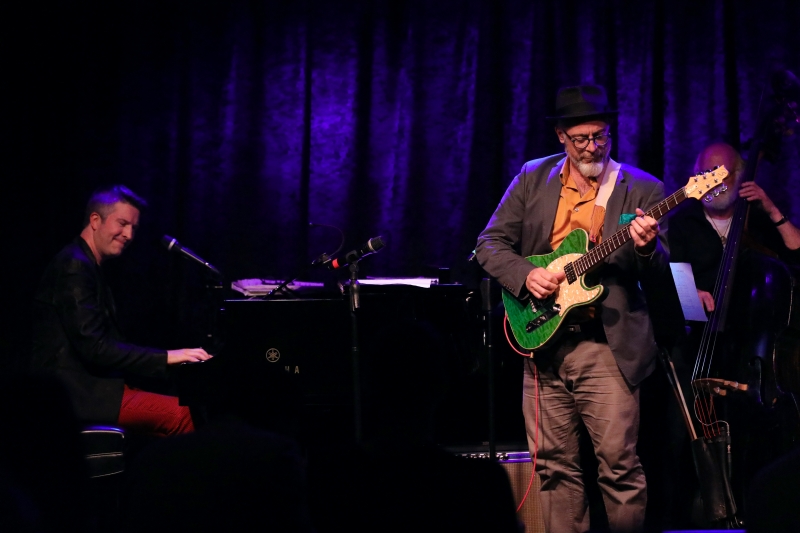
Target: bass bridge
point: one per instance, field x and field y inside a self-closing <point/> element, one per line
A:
<point x="719" y="387"/>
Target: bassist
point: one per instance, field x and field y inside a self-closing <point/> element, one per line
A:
<point x="700" y="233"/>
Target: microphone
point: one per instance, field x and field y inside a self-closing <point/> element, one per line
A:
<point x="372" y="246"/>
<point x="172" y="245"/>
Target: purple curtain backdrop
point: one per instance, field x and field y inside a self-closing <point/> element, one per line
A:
<point x="243" y="122"/>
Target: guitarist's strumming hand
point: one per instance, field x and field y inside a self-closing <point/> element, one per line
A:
<point x="644" y="231"/>
<point x="542" y="283"/>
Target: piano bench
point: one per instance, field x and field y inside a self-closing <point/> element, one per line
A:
<point x="103" y="450"/>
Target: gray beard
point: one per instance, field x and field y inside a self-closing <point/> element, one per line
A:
<point x="723" y="202"/>
<point x="589" y="170"/>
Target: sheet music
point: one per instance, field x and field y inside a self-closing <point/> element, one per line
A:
<point x="687" y="292"/>
<point x="262" y="287"/>
<point x="425" y="283"/>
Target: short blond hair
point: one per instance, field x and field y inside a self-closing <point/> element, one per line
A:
<point x="102" y="201"/>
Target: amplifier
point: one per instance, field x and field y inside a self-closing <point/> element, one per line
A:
<point x="519" y="468"/>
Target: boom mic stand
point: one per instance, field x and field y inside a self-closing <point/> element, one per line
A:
<point x="372" y="246"/>
<point x="284" y="286"/>
<point x="354" y="293"/>
<point x="322" y="260"/>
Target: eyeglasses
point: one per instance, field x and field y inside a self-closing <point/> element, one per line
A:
<point x="580" y="142"/>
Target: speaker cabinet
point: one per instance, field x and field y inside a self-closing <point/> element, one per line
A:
<point x="519" y="468"/>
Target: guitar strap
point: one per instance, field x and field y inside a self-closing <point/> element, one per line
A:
<point x="607" y="183"/>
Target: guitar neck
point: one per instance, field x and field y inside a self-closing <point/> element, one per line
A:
<point x="587" y="261"/>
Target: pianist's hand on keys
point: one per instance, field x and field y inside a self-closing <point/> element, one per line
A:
<point x="187" y="355"/>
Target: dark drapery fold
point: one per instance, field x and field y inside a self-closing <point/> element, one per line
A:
<point x="244" y="121"/>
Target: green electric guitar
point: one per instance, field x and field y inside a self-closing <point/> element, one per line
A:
<point x="534" y="322"/>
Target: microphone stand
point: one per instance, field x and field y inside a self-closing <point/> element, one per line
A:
<point x="354" y="293"/>
<point x="215" y="288"/>
<point x="193" y="382"/>
<point x="486" y="308"/>
<point x="284" y="286"/>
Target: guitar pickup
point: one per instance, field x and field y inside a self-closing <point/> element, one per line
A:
<point x="569" y="271"/>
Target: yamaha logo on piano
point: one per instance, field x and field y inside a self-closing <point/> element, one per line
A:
<point x="273" y="355"/>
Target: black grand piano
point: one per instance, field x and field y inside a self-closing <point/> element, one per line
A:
<point x="287" y="362"/>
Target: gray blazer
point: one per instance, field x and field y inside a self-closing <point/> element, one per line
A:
<point x="521" y="226"/>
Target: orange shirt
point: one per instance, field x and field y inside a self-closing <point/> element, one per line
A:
<point x="576" y="211"/>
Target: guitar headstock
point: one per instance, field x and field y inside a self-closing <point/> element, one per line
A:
<point x="711" y="181"/>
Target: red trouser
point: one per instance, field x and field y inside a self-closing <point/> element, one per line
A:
<point x="153" y="414"/>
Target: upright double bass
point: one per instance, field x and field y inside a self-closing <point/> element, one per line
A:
<point x="744" y="383"/>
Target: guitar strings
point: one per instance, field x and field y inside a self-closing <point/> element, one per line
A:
<point x="623" y="235"/>
<point x="708" y="342"/>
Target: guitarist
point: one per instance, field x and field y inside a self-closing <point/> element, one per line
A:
<point x="589" y="373"/>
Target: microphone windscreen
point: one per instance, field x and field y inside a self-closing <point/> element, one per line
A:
<point x="168" y="242"/>
<point x="376" y="243"/>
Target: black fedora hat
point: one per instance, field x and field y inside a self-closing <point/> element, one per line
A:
<point x="581" y="101"/>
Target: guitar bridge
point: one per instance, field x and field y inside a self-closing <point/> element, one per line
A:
<point x="548" y="313"/>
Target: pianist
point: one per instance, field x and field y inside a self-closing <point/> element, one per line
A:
<point x="75" y="333"/>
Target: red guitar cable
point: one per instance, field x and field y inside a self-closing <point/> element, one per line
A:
<point x="536" y="393"/>
<point x="535" y="438"/>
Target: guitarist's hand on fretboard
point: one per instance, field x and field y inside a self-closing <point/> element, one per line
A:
<point x="542" y="283"/>
<point x="644" y="230"/>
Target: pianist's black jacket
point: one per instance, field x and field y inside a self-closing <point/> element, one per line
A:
<point x="75" y="336"/>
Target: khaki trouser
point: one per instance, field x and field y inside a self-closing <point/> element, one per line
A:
<point x="579" y="381"/>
